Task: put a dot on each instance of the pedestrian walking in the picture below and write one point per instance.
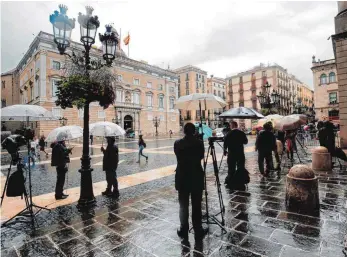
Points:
(189, 181)
(42, 145)
(265, 144)
(170, 133)
(290, 144)
(142, 145)
(60, 159)
(233, 147)
(91, 139)
(110, 164)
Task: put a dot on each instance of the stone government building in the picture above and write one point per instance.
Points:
(143, 91)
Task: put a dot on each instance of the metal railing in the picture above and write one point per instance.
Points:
(311, 139)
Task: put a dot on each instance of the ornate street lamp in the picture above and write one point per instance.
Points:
(63, 121)
(156, 123)
(62, 28)
(267, 100)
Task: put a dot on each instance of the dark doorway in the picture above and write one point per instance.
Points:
(128, 122)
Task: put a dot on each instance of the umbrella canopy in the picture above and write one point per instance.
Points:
(106, 129)
(273, 118)
(200, 101)
(205, 129)
(242, 113)
(65, 133)
(23, 112)
(291, 122)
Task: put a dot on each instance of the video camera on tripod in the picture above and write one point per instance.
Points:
(12, 144)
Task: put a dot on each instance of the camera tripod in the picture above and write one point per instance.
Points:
(29, 209)
(212, 219)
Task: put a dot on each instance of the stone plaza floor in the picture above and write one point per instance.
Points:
(256, 222)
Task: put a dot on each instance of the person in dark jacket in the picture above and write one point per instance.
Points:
(42, 144)
(109, 165)
(142, 145)
(189, 180)
(60, 159)
(233, 146)
(265, 144)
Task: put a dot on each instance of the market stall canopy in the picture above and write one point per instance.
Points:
(199, 101)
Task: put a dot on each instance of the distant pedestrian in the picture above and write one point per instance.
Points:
(110, 164)
(290, 144)
(142, 145)
(42, 144)
(170, 133)
(265, 144)
(91, 139)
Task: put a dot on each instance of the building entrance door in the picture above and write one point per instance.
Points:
(128, 122)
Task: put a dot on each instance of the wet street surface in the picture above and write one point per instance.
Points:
(144, 221)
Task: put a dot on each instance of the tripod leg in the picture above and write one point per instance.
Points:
(7, 177)
(205, 164)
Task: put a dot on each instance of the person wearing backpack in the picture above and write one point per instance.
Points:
(142, 145)
(60, 159)
(110, 164)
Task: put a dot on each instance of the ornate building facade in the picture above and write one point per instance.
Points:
(143, 91)
(326, 93)
(216, 86)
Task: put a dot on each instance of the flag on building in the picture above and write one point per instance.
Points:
(126, 40)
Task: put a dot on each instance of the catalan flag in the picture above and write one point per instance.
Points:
(126, 40)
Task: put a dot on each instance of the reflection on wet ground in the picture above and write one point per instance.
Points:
(145, 224)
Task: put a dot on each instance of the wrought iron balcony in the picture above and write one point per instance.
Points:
(127, 105)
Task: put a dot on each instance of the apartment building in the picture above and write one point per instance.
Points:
(191, 80)
(216, 86)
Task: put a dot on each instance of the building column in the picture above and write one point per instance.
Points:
(43, 85)
(340, 51)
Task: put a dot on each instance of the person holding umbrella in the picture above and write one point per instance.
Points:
(109, 165)
(60, 159)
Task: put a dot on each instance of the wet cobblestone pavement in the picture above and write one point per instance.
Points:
(145, 220)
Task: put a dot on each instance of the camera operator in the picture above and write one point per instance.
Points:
(189, 180)
(233, 146)
(60, 159)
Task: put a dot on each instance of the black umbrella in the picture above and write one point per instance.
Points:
(242, 113)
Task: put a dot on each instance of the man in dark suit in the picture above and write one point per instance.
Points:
(109, 165)
(233, 146)
(189, 180)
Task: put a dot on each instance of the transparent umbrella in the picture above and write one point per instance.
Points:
(65, 133)
(26, 112)
(106, 129)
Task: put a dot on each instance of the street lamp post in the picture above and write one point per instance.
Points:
(63, 121)
(156, 123)
(268, 100)
(62, 28)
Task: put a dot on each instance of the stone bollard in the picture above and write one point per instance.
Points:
(321, 159)
(302, 194)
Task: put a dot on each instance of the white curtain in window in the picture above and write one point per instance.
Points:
(54, 87)
(161, 101)
(172, 103)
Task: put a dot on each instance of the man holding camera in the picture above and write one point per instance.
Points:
(60, 159)
(189, 180)
(233, 146)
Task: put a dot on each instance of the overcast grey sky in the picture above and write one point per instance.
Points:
(220, 36)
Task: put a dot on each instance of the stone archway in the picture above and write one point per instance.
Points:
(128, 122)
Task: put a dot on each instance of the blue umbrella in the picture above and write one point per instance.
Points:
(205, 129)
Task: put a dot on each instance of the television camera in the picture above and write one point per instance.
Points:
(12, 144)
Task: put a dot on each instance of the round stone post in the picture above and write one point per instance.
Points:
(321, 159)
(302, 190)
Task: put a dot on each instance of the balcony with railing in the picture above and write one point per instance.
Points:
(127, 105)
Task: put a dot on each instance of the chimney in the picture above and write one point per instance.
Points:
(313, 59)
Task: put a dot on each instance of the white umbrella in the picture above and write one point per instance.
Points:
(106, 129)
(242, 113)
(25, 112)
(200, 102)
(291, 122)
(65, 133)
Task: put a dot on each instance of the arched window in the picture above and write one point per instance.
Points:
(161, 101)
(323, 79)
(172, 103)
(332, 77)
